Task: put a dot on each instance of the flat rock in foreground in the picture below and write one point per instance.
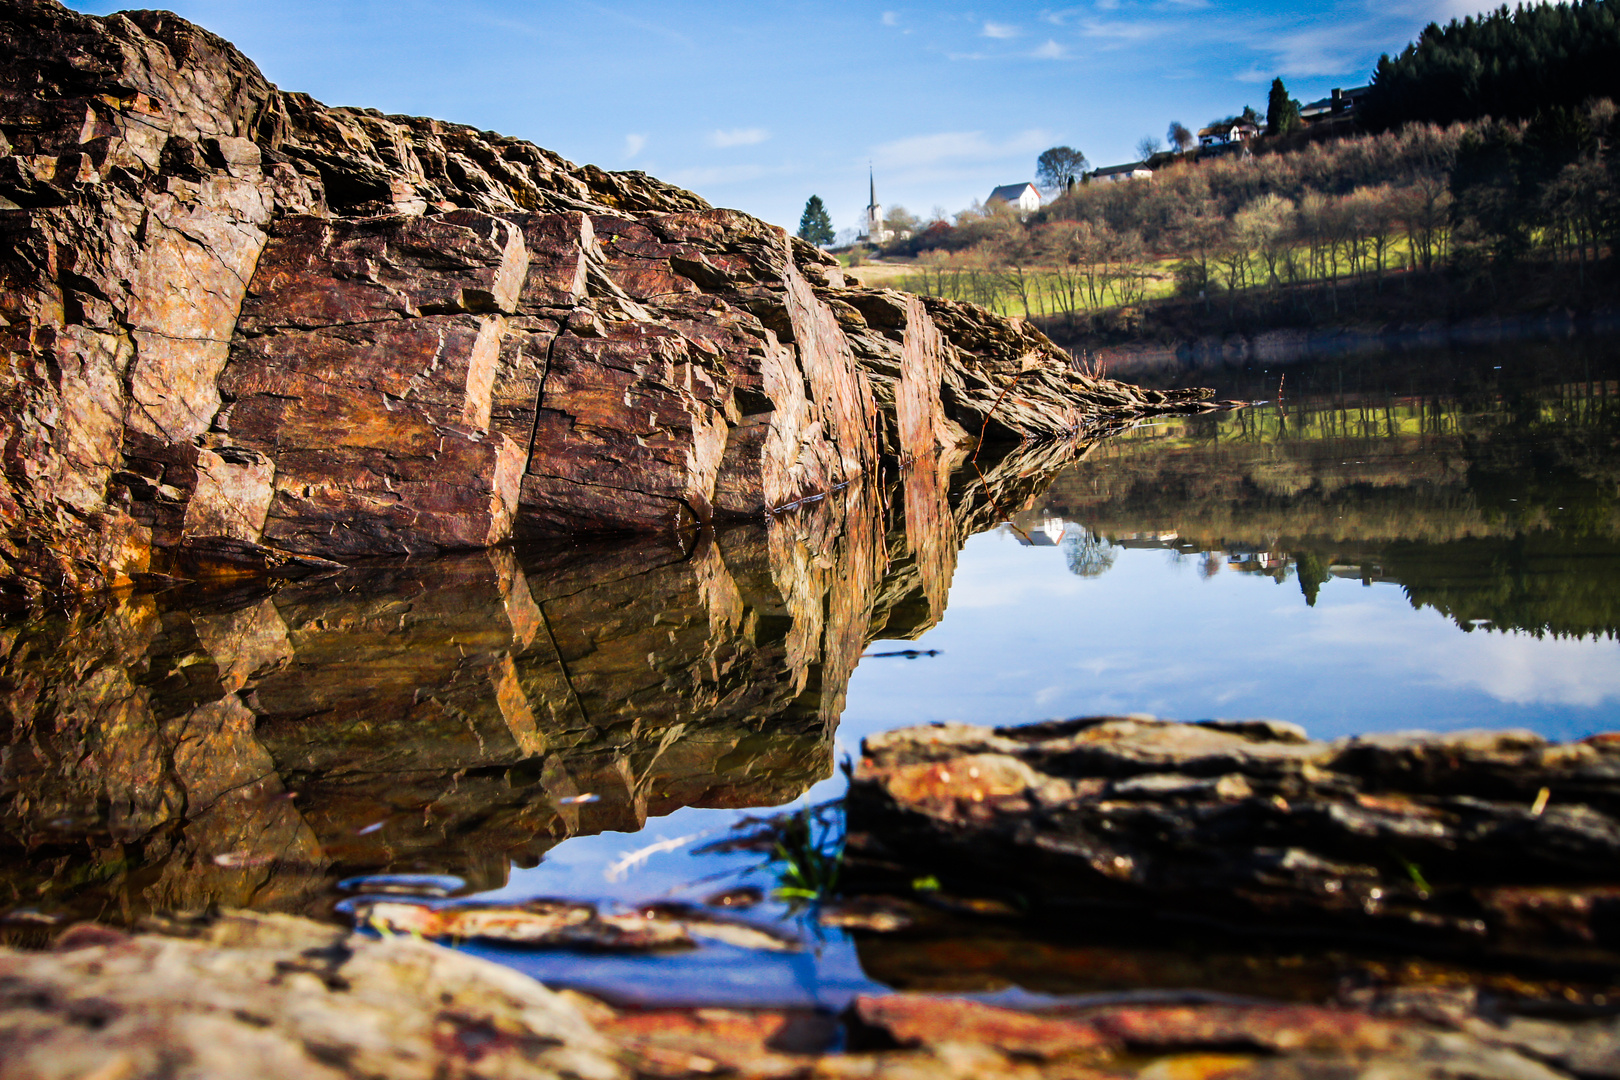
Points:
(1480, 841)
(267, 996)
(258, 997)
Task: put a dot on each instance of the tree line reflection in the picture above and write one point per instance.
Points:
(1487, 487)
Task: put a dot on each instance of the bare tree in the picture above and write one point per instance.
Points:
(1056, 169)
(1180, 138)
(1147, 146)
(1425, 210)
(1266, 227)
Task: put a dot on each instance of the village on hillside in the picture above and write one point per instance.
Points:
(1325, 118)
(1417, 195)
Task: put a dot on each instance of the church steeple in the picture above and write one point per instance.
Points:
(875, 232)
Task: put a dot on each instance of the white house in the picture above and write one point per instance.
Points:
(1227, 133)
(1024, 197)
(1136, 170)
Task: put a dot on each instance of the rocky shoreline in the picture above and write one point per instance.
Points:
(247, 332)
(1441, 913)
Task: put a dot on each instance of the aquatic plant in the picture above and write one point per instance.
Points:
(808, 855)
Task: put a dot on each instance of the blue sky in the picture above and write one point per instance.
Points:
(756, 106)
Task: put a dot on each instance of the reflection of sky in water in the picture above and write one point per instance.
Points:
(825, 974)
(1024, 639)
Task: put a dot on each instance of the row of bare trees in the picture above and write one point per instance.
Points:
(1358, 208)
(1049, 269)
(1063, 265)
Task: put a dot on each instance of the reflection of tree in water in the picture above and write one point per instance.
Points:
(1485, 483)
(1312, 570)
(1088, 554)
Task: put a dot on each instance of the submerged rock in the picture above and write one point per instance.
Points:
(1473, 841)
(540, 924)
(242, 327)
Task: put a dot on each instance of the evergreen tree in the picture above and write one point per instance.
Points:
(1282, 111)
(1508, 64)
(1313, 573)
(815, 225)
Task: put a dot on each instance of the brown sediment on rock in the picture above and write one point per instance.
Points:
(241, 323)
(275, 996)
(1487, 842)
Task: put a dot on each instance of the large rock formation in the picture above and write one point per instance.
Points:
(243, 328)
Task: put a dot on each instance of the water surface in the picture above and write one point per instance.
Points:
(1381, 542)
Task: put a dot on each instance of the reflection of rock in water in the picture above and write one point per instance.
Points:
(451, 716)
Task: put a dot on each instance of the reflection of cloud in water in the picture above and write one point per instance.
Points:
(1512, 667)
(1018, 576)
(1027, 640)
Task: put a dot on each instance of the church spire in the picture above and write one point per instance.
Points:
(872, 180)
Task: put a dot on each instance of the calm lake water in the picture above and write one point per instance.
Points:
(1418, 541)
(1393, 541)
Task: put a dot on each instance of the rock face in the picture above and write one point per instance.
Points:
(241, 326)
(1475, 841)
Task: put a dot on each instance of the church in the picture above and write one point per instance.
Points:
(874, 231)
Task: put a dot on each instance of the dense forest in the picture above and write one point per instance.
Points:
(1458, 196)
(1510, 65)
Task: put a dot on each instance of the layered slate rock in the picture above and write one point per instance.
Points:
(244, 328)
(364, 370)
(1494, 841)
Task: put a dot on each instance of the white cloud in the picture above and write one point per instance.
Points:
(738, 137)
(1308, 53)
(1000, 31)
(1050, 51)
(633, 144)
(1443, 11)
(1121, 31)
(721, 175)
(891, 18)
(955, 146)
(642, 25)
